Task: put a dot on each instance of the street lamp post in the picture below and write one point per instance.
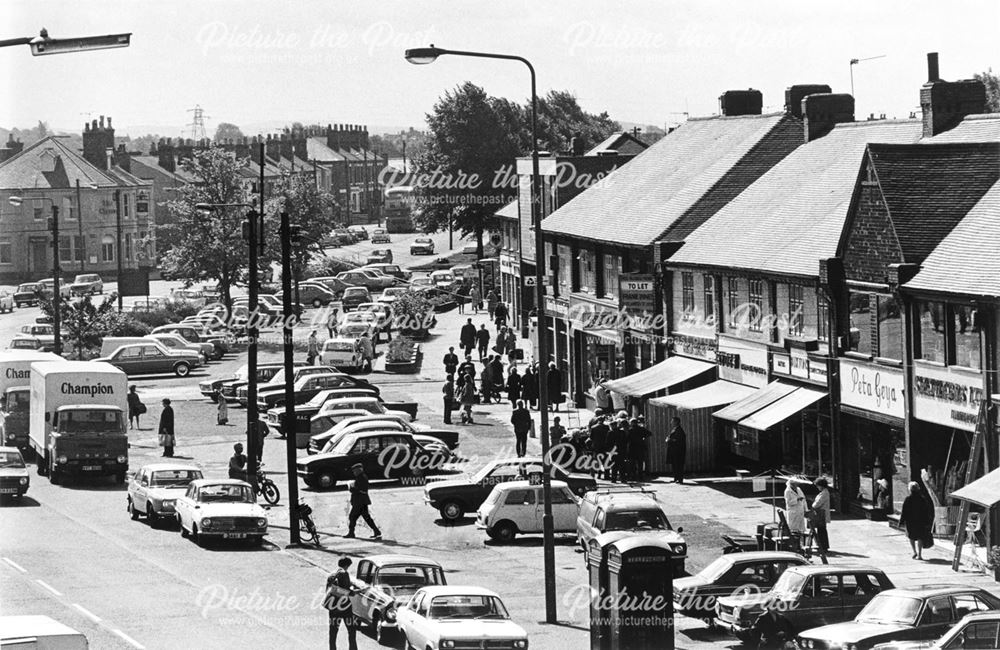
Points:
(42, 44)
(425, 55)
(56, 270)
(288, 350)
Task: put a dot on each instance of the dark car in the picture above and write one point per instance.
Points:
(277, 381)
(151, 359)
(802, 598)
(305, 411)
(196, 335)
(320, 429)
(313, 293)
(308, 387)
(454, 497)
(383, 454)
(379, 256)
(696, 595)
(979, 630)
(27, 293)
(228, 385)
(355, 296)
(902, 615)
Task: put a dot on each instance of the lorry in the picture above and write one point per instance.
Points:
(77, 419)
(15, 393)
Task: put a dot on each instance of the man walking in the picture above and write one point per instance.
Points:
(500, 316)
(491, 302)
(468, 368)
(554, 386)
(677, 449)
(637, 436)
(556, 432)
(476, 298)
(166, 429)
(260, 432)
(467, 337)
(360, 502)
(449, 397)
(331, 322)
(450, 362)
(521, 419)
(338, 603)
(367, 353)
(312, 348)
(482, 341)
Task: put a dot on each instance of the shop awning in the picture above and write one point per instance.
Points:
(718, 393)
(755, 401)
(784, 408)
(985, 491)
(665, 374)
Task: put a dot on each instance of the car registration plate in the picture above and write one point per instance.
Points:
(91, 468)
(8, 490)
(234, 535)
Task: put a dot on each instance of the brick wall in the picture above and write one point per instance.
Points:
(871, 244)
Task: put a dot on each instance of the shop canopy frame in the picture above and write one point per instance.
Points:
(669, 372)
(718, 393)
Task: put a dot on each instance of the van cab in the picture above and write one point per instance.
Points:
(518, 506)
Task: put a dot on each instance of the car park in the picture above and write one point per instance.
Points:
(453, 497)
(27, 293)
(422, 246)
(14, 476)
(917, 614)
(154, 489)
(517, 508)
(151, 358)
(384, 583)
(979, 631)
(458, 617)
(220, 509)
(6, 301)
(379, 256)
(354, 296)
(384, 455)
(803, 597)
(695, 596)
(329, 423)
(395, 270)
(380, 236)
(86, 284)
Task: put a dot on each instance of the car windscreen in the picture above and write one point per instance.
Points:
(11, 459)
(716, 569)
(789, 583)
(651, 518)
(471, 607)
(174, 477)
(339, 346)
(27, 288)
(18, 401)
(890, 608)
(225, 493)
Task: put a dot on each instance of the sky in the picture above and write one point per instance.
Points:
(257, 63)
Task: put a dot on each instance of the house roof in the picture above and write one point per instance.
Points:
(318, 151)
(929, 188)
(51, 163)
(972, 128)
(640, 202)
(963, 263)
(793, 215)
(509, 211)
(153, 162)
(623, 142)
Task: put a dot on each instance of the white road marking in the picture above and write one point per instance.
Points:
(15, 565)
(129, 639)
(48, 586)
(93, 617)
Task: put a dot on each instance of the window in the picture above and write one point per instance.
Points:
(976, 635)
(967, 604)
(859, 308)
(890, 328)
(932, 325)
(709, 281)
(796, 311)
(565, 268)
(519, 497)
(612, 268)
(733, 300)
(37, 206)
(108, 248)
(938, 611)
(561, 496)
(757, 305)
(823, 318)
(126, 205)
(142, 202)
(687, 291)
(827, 586)
(65, 248)
(128, 246)
(68, 209)
(6, 252)
(587, 279)
(967, 343)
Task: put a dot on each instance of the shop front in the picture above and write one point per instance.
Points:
(597, 340)
(559, 342)
(510, 286)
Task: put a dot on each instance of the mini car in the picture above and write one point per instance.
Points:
(27, 293)
(980, 630)
(516, 507)
(155, 488)
(380, 236)
(14, 476)
(220, 509)
(458, 617)
(385, 583)
(86, 284)
(422, 246)
(6, 301)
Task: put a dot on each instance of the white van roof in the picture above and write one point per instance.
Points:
(86, 367)
(21, 354)
(26, 627)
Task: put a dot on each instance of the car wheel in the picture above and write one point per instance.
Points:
(198, 539)
(132, 511)
(317, 303)
(326, 480)
(452, 511)
(180, 527)
(505, 531)
(182, 369)
(151, 517)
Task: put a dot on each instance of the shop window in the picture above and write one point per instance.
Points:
(796, 309)
(6, 252)
(823, 318)
(932, 331)
(757, 305)
(709, 281)
(967, 342)
(687, 292)
(733, 301)
(890, 328)
(859, 308)
(612, 269)
(108, 248)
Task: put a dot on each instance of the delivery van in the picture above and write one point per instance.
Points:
(15, 393)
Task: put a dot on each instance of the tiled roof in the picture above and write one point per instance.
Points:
(929, 188)
(966, 261)
(508, 211)
(793, 215)
(639, 202)
(35, 168)
(318, 151)
(153, 162)
(623, 142)
(973, 128)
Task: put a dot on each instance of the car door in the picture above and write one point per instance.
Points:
(184, 506)
(128, 359)
(416, 633)
(362, 601)
(519, 506)
(365, 451)
(154, 360)
(820, 603)
(564, 510)
(980, 635)
(141, 495)
(937, 617)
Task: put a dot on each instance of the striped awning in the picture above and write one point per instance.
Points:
(665, 374)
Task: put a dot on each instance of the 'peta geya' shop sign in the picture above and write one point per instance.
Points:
(872, 388)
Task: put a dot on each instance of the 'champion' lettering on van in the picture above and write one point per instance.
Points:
(14, 373)
(92, 390)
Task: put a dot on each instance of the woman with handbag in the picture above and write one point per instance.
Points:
(135, 407)
(819, 516)
(917, 516)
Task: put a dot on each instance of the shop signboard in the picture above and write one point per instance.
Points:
(947, 396)
(637, 292)
(695, 346)
(873, 388)
(798, 364)
(742, 362)
(510, 264)
(556, 307)
(781, 364)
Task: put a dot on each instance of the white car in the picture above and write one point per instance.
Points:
(6, 301)
(221, 509)
(517, 507)
(443, 617)
(443, 279)
(155, 488)
(390, 295)
(341, 352)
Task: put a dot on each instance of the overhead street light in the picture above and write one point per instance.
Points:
(42, 44)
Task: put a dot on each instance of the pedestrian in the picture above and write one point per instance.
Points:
(510, 345)
(332, 319)
(467, 337)
(222, 414)
(367, 352)
(468, 398)
(360, 502)
(468, 369)
(496, 372)
(312, 348)
(621, 468)
(476, 298)
(556, 432)
(450, 362)
(135, 407)
(554, 384)
(795, 508)
(600, 437)
(500, 315)
(521, 419)
(918, 517)
(166, 429)
(491, 302)
(677, 449)
(460, 298)
(638, 435)
(339, 589)
(821, 514)
(602, 397)
(513, 386)
(482, 341)
(486, 382)
(529, 387)
(238, 463)
(260, 432)
(449, 396)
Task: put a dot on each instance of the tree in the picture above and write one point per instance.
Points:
(560, 118)
(312, 210)
(83, 325)
(227, 131)
(992, 83)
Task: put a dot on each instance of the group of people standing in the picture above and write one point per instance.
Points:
(616, 444)
(801, 516)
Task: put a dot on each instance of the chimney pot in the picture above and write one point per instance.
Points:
(932, 67)
(102, 122)
(741, 102)
(109, 121)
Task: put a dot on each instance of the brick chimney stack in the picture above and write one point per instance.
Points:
(97, 139)
(945, 103)
(822, 110)
(741, 102)
(795, 94)
(12, 148)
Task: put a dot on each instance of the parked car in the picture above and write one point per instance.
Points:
(275, 382)
(86, 284)
(384, 455)
(458, 617)
(176, 342)
(14, 476)
(22, 342)
(384, 583)
(305, 411)
(354, 296)
(454, 497)
(696, 595)
(342, 353)
(154, 489)
(150, 303)
(313, 293)
(422, 246)
(421, 282)
(630, 509)
(227, 386)
(193, 334)
(49, 286)
(27, 293)
(380, 236)
(151, 359)
(382, 313)
(358, 231)
(6, 301)
(371, 280)
(802, 598)
(444, 280)
(390, 295)
(331, 282)
(330, 422)
(44, 333)
(308, 386)
(220, 509)
(516, 508)
(191, 296)
(388, 268)
(920, 614)
(378, 256)
(979, 630)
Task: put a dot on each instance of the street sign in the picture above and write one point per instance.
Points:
(529, 281)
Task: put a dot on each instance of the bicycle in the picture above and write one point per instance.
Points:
(306, 524)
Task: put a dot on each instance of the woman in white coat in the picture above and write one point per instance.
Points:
(795, 507)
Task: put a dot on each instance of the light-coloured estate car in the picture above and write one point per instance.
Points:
(155, 488)
(458, 617)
